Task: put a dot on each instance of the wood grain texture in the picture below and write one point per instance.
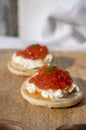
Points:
(14, 107)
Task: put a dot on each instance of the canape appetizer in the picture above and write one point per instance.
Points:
(51, 87)
(27, 62)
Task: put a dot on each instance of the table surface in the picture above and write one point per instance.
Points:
(14, 107)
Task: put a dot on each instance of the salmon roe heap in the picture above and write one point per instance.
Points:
(51, 78)
(33, 52)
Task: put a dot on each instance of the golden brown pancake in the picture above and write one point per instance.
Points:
(36, 99)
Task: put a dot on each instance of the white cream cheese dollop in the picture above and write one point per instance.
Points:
(31, 64)
(52, 94)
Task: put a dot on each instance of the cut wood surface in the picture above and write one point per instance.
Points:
(14, 107)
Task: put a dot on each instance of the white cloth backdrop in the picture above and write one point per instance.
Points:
(62, 26)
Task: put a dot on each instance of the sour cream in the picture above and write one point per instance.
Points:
(52, 94)
(32, 88)
(31, 64)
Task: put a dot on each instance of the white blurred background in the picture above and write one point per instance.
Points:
(59, 24)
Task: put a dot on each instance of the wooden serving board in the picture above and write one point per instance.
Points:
(14, 107)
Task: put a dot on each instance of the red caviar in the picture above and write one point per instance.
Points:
(33, 52)
(51, 78)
